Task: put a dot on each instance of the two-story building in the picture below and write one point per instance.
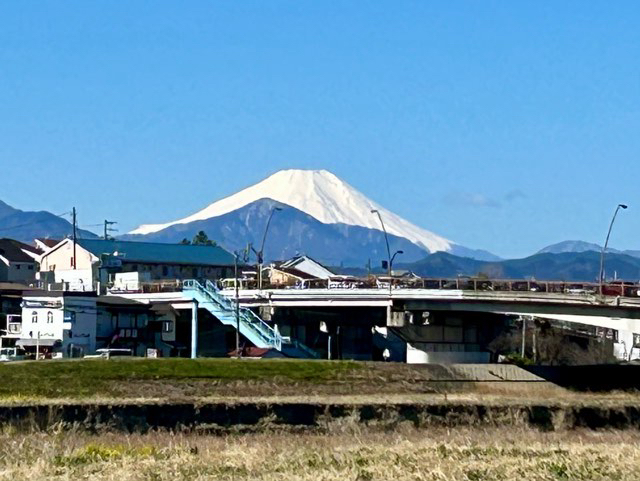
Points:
(74, 324)
(18, 262)
(89, 264)
(57, 322)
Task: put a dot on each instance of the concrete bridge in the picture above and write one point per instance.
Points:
(407, 310)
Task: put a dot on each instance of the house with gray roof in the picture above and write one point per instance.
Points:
(17, 262)
(92, 264)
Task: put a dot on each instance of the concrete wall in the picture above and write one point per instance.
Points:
(420, 354)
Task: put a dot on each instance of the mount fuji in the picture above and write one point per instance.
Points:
(321, 216)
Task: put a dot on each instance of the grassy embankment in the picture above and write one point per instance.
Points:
(265, 380)
(178, 378)
(348, 454)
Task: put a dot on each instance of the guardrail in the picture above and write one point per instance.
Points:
(622, 289)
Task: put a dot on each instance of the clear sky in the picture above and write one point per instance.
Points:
(499, 125)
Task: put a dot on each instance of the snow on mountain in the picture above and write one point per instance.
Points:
(323, 196)
(571, 246)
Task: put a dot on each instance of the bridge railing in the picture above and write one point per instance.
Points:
(619, 288)
(623, 289)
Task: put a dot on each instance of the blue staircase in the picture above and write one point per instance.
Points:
(257, 331)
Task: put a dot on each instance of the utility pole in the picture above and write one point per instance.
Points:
(74, 237)
(524, 334)
(237, 306)
(108, 229)
(534, 346)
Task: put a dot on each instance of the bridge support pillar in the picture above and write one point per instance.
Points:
(194, 329)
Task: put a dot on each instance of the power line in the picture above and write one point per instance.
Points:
(31, 223)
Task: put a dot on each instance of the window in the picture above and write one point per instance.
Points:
(141, 320)
(30, 267)
(167, 326)
(195, 272)
(34, 317)
(18, 266)
(128, 333)
(49, 317)
(165, 270)
(69, 316)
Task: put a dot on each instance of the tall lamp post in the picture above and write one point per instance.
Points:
(235, 273)
(606, 242)
(392, 259)
(389, 261)
(260, 253)
(386, 239)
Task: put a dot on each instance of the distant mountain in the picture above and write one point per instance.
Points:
(325, 200)
(571, 246)
(25, 226)
(566, 266)
(291, 232)
(581, 246)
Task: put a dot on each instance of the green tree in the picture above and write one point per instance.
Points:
(202, 239)
(185, 241)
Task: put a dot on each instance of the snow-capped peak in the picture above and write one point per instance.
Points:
(323, 196)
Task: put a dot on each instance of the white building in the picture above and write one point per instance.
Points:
(57, 322)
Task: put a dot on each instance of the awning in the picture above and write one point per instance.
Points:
(34, 342)
(174, 345)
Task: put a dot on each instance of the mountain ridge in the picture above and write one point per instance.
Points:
(327, 199)
(291, 232)
(25, 226)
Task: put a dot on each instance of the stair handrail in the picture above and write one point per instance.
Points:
(263, 327)
(250, 318)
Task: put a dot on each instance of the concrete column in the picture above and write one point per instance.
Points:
(194, 330)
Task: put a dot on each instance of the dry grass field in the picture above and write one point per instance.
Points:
(349, 453)
(341, 449)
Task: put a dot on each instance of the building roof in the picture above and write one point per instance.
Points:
(118, 301)
(48, 242)
(14, 251)
(158, 253)
(308, 265)
(294, 272)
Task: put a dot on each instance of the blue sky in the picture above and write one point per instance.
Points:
(500, 125)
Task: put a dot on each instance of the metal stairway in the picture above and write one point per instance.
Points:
(257, 331)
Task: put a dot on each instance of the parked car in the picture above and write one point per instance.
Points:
(11, 354)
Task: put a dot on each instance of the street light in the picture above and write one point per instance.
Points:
(393, 257)
(391, 267)
(606, 242)
(260, 253)
(376, 211)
